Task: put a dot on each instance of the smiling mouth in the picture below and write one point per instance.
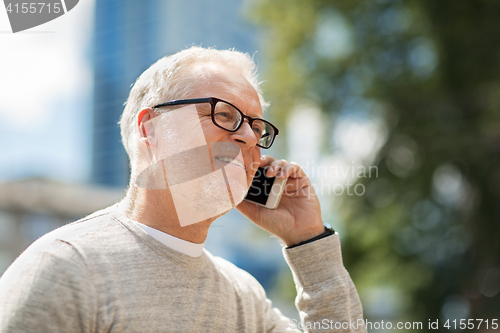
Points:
(231, 160)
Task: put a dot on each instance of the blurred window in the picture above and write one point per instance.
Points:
(7, 226)
(37, 225)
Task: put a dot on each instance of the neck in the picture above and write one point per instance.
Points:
(155, 208)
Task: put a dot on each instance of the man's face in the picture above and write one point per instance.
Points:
(215, 81)
(181, 140)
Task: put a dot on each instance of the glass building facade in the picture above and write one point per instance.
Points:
(129, 37)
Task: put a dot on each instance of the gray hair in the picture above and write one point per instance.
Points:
(164, 81)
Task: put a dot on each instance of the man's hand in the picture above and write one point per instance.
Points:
(298, 216)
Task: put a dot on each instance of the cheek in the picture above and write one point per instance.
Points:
(212, 132)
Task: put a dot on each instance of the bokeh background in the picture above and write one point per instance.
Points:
(392, 107)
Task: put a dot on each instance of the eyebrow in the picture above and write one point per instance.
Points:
(252, 105)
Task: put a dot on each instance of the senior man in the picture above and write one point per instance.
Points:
(193, 128)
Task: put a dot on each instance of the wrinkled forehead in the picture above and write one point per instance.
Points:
(213, 80)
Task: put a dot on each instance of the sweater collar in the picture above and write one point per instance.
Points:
(177, 244)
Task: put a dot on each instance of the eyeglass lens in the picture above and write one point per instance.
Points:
(226, 116)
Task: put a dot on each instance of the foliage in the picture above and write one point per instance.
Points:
(428, 224)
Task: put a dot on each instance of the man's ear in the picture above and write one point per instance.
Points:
(146, 128)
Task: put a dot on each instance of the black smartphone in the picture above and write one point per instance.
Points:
(265, 191)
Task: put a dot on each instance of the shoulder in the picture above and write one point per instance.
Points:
(63, 249)
(50, 280)
(95, 224)
(88, 230)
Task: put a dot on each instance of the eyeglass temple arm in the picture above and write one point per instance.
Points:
(184, 101)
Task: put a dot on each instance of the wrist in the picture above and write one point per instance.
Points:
(328, 231)
(305, 237)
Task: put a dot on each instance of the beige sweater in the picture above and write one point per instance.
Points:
(104, 274)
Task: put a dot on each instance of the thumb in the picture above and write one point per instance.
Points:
(248, 209)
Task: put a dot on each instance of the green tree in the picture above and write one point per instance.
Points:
(428, 224)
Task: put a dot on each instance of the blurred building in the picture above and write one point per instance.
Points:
(129, 37)
(33, 207)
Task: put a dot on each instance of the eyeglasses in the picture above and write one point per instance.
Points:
(228, 117)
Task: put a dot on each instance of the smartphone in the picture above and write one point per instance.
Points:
(265, 191)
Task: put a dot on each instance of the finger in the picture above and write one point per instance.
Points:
(294, 185)
(275, 167)
(306, 191)
(291, 169)
(266, 160)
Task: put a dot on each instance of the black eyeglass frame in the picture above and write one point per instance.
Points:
(213, 101)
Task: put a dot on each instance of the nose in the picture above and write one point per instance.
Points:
(245, 135)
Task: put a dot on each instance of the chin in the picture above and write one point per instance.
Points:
(221, 214)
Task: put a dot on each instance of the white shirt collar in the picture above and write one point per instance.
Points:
(177, 244)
